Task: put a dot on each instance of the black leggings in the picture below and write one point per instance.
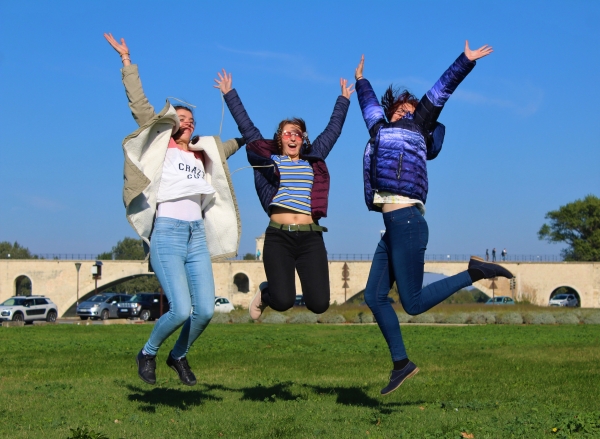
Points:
(283, 253)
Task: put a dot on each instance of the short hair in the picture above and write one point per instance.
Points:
(394, 97)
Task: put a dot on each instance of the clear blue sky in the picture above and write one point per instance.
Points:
(522, 131)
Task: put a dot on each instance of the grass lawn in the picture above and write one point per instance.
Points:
(303, 381)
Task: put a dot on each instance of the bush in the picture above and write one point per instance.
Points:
(366, 317)
(510, 318)
(240, 316)
(274, 317)
(461, 317)
(423, 318)
(330, 317)
(592, 318)
(220, 317)
(566, 318)
(484, 318)
(403, 317)
(303, 317)
(539, 318)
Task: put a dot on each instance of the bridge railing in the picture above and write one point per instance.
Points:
(447, 257)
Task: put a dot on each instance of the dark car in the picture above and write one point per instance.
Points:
(145, 306)
(299, 300)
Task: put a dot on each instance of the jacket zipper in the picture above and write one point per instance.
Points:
(399, 170)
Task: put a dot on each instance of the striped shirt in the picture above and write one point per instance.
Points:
(295, 186)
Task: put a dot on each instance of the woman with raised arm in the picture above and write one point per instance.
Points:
(292, 183)
(179, 198)
(404, 134)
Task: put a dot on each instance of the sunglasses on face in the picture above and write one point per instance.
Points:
(290, 134)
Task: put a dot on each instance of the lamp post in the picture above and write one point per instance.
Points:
(77, 266)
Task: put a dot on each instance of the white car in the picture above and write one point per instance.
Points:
(28, 308)
(564, 300)
(223, 305)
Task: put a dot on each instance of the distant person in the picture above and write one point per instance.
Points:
(404, 134)
(292, 183)
(503, 254)
(487, 254)
(177, 188)
(494, 254)
(257, 254)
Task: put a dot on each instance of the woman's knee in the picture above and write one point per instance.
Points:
(319, 307)
(180, 314)
(203, 314)
(281, 303)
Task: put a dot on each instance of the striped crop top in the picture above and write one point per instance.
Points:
(295, 186)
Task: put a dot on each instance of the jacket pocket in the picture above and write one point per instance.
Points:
(399, 170)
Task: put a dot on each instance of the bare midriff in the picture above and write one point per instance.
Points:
(285, 216)
(388, 207)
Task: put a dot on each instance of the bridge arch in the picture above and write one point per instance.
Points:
(566, 290)
(241, 283)
(23, 286)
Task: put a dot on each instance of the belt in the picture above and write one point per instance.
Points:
(298, 227)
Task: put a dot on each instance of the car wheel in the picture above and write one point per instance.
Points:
(145, 315)
(104, 314)
(18, 317)
(83, 317)
(51, 316)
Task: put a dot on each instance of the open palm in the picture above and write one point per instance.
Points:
(479, 53)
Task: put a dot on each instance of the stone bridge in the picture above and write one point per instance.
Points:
(237, 280)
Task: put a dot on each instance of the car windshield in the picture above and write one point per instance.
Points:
(14, 302)
(139, 298)
(97, 299)
(560, 297)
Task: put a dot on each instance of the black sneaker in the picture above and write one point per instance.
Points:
(182, 368)
(397, 377)
(146, 367)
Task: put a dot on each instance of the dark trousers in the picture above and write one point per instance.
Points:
(400, 257)
(285, 252)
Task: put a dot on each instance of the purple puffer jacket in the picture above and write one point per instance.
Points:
(260, 150)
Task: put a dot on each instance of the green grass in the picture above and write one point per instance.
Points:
(303, 381)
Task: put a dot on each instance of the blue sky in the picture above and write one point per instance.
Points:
(521, 130)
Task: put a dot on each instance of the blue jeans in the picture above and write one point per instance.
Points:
(400, 257)
(181, 261)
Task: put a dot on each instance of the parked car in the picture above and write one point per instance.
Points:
(564, 300)
(223, 305)
(28, 309)
(102, 306)
(146, 306)
(299, 300)
(500, 300)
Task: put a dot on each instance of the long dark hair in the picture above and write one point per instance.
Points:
(394, 97)
(194, 139)
(293, 121)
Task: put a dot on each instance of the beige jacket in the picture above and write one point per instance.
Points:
(145, 151)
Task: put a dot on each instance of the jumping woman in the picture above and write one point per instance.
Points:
(404, 134)
(292, 183)
(179, 199)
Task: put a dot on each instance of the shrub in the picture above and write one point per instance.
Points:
(592, 318)
(539, 318)
(510, 318)
(303, 317)
(403, 317)
(220, 317)
(330, 317)
(274, 317)
(423, 318)
(461, 317)
(366, 317)
(240, 316)
(566, 318)
(484, 318)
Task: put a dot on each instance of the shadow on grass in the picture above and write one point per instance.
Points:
(279, 391)
(177, 398)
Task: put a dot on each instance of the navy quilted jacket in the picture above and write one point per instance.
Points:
(259, 150)
(395, 159)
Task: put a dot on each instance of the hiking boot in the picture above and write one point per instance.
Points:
(397, 377)
(480, 269)
(146, 367)
(182, 368)
(257, 306)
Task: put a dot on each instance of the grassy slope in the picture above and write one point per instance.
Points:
(258, 381)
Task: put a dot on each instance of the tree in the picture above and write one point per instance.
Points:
(578, 225)
(249, 257)
(129, 249)
(16, 251)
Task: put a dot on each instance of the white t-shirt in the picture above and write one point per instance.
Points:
(182, 185)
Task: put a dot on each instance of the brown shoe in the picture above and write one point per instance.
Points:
(257, 306)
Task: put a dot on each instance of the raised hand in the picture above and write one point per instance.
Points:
(473, 55)
(346, 91)
(121, 49)
(358, 73)
(224, 82)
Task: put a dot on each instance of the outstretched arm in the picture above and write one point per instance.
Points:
(322, 145)
(236, 108)
(369, 105)
(141, 109)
